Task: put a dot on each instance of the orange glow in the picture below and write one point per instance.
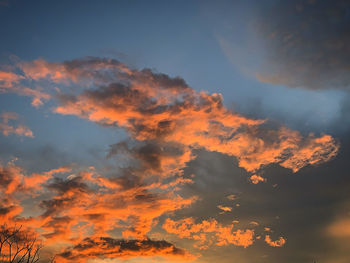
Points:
(277, 243)
(225, 235)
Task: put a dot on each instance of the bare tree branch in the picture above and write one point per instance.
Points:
(18, 246)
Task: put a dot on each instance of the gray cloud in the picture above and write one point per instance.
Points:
(307, 43)
(106, 247)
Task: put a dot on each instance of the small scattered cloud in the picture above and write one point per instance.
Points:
(7, 126)
(10, 82)
(202, 232)
(255, 179)
(277, 243)
(225, 208)
(231, 197)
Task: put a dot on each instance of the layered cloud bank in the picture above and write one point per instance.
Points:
(84, 209)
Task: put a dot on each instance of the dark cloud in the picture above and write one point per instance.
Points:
(299, 207)
(106, 247)
(5, 178)
(307, 43)
(75, 184)
(6, 210)
(149, 154)
(56, 205)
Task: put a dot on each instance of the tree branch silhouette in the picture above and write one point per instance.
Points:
(18, 246)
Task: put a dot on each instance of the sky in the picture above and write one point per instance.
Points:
(177, 131)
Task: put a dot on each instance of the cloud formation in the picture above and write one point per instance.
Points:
(167, 121)
(6, 127)
(306, 43)
(106, 247)
(277, 243)
(255, 179)
(154, 106)
(75, 207)
(11, 82)
(209, 232)
(224, 208)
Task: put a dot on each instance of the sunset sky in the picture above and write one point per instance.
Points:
(177, 131)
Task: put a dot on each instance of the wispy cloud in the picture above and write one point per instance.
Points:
(7, 126)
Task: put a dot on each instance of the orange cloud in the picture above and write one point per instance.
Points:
(231, 197)
(105, 247)
(11, 83)
(255, 179)
(81, 204)
(224, 235)
(7, 79)
(154, 106)
(277, 243)
(6, 128)
(225, 208)
(166, 121)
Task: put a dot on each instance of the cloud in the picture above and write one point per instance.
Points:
(255, 179)
(277, 243)
(231, 197)
(8, 79)
(167, 122)
(202, 232)
(154, 106)
(87, 201)
(17, 187)
(7, 128)
(225, 208)
(74, 205)
(106, 247)
(154, 157)
(306, 43)
(10, 82)
(81, 204)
